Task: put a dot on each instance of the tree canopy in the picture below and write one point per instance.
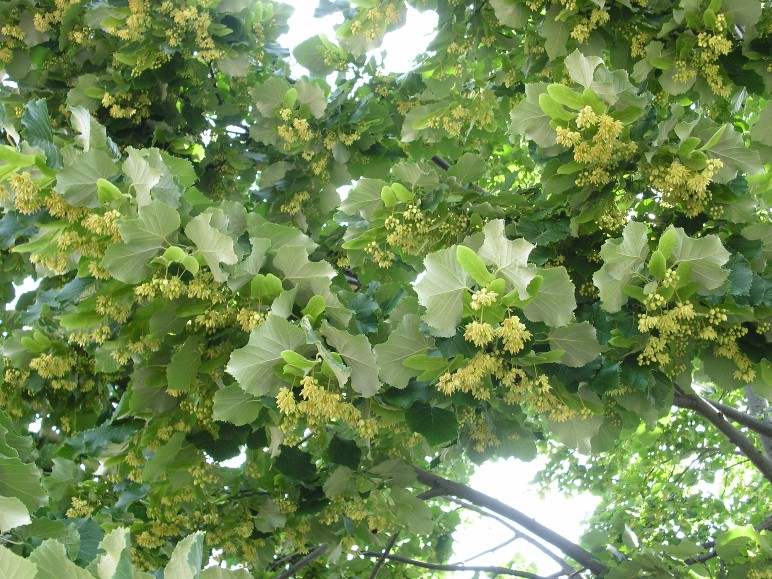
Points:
(551, 236)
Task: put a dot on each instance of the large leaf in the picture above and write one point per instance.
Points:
(731, 150)
(555, 31)
(437, 425)
(578, 341)
(364, 198)
(184, 365)
(52, 562)
(114, 560)
(509, 257)
(13, 513)
(407, 340)
(469, 168)
(215, 246)
(187, 557)
(12, 566)
(252, 365)
(623, 258)
(581, 68)
(440, 291)
(576, 432)
(22, 481)
(77, 182)
(293, 262)
(358, 356)
(141, 174)
(529, 120)
(706, 256)
(555, 303)
(92, 134)
(513, 13)
(232, 404)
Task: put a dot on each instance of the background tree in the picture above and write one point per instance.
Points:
(559, 231)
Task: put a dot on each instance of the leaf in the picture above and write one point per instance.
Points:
(555, 303)
(407, 340)
(295, 463)
(345, 452)
(623, 259)
(358, 356)
(578, 341)
(252, 365)
(220, 573)
(143, 238)
(744, 12)
(469, 168)
(513, 13)
(706, 255)
(77, 182)
(187, 557)
(337, 482)
(440, 291)
(509, 257)
(731, 150)
(761, 131)
(364, 198)
(311, 95)
(142, 175)
(311, 54)
(293, 262)
(437, 425)
(114, 559)
(232, 404)
(555, 32)
(14, 567)
(581, 68)
(22, 481)
(576, 433)
(270, 95)
(92, 134)
(52, 562)
(184, 365)
(212, 244)
(474, 266)
(13, 513)
(528, 118)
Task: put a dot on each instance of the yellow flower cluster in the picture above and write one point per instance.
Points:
(483, 297)
(684, 187)
(27, 200)
(537, 393)
(414, 232)
(584, 26)
(713, 46)
(127, 106)
(58, 207)
(195, 20)
(106, 306)
(80, 508)
(98, 335)
(472, 377)
(479, 429)
(297, 131)
(44, 21)
(596, 144)
(319, 407)
(294, 205)
(513, 333)
(53, 366)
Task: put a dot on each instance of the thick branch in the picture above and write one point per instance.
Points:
(442, 567)
(304, 562)
(701, 406)
(458, 490)
(760, 407)
(746, 420)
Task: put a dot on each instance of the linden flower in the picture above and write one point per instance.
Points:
(479, 333)
(483, 297)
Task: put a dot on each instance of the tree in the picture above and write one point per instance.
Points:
(557, 241)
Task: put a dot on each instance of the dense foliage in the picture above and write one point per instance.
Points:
(558, 229)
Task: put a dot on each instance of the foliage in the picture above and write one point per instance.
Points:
(559, 220)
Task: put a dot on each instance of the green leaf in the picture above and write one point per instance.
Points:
(215, 246)
(513, 13)
(509, 257)
(364, 198)
(13, 513)
(184, 365)
(345, 452)
(437, 425)
(658, 265)
(553, 110)
(469, 168)
(440, 291)
(92, 134)
(294, 264)
(187, 557)
(114, 559)
(566, 97)
(270, 95)
(731, 150)
(77, 182)
(474, 266)
(407, 340)
(311, 54)
(623, 259)
(555, 303)
(311, 95)
(295, 463)
(337, 482)
(14, 567)
(528, 118)
(706, 255)
(581, 68)
(358, 356)
(142, 174)
(232, 404)
(579, 343)
(555, 32)
(252, 365)
(22, 481)
(576, 433)
(52, 562)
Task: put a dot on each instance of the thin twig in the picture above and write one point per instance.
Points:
(304, 562)
(762, 526)
(459, 490)
(512, 539)
(703, 407)
(520, 535)
(444, 165)
(382, 559)
(443, 567)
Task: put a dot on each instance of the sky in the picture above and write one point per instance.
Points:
(507, 481)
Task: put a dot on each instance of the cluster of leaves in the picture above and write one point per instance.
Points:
(599, 236)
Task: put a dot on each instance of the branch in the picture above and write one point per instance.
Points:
(746, 420)
(701, 406)
(447, 487)
(304, 562)
(444, 165)
(384, 554)
(520, 535)
(442, 567)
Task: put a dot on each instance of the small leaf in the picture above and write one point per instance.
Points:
(474, 266)
(658, 265)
